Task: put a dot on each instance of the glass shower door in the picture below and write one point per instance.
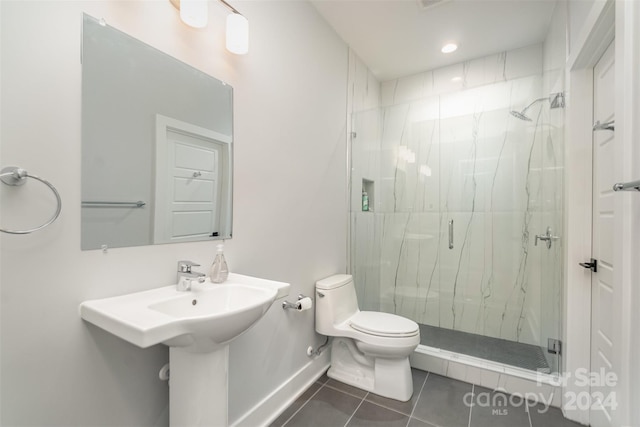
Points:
(458, 188)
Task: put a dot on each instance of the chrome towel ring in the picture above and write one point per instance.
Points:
(14, 176)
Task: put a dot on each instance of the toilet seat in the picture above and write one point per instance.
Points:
(383, 324)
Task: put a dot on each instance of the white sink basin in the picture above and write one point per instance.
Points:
(205, 318)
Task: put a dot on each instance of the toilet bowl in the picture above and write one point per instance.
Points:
(370, 349)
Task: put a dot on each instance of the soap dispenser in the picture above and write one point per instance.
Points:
(365, 201)
(219, 270)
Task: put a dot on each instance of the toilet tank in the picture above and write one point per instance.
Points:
(338, 303)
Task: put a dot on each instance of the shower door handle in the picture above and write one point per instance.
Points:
(450, 234)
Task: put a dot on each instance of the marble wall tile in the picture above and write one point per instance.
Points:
(365, 156)
(448, 79)
(524, 62)
(486, 70)
(449, 149)
(409, 257)
(364, 88)
(365, 248)
(409, 157)
(407, 89)
(500, 67)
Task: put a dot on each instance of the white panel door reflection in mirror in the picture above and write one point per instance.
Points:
(188, 181)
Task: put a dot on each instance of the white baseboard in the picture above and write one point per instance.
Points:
(269, 408)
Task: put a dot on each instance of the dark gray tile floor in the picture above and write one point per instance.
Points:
(437, 402)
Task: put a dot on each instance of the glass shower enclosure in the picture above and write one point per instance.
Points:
(458, 185)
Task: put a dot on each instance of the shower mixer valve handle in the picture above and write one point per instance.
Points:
(548, 237)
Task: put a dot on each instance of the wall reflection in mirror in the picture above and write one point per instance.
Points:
(156, 145)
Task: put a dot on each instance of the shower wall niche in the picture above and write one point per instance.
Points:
(444, 147)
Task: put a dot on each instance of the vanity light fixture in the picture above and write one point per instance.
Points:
(449, 47)
(237, 34)
(195, 14)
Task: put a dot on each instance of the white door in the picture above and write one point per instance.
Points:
(605, 309)
(188, 182)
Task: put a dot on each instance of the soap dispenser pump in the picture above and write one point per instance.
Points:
(219, 270)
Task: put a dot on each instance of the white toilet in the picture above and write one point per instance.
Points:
(370, 349)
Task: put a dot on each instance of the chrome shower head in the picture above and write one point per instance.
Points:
(520, 115)
(556, 100)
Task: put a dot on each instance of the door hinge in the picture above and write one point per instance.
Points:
(554, 346)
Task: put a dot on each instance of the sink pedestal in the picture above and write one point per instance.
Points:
(198, 387)
(197, 326)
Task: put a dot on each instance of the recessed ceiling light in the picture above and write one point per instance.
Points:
(456, 79)
(449, 47)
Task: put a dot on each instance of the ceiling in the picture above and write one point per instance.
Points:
(397, 38)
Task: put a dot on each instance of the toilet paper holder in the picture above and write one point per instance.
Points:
(303, 303)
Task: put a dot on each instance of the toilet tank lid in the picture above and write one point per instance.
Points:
(334, 281)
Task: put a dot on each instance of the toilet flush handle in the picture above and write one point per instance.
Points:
(320, 294)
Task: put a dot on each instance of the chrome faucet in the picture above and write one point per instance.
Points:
(185, 275)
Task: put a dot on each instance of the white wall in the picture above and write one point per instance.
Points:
(578, 12)
(289, 206)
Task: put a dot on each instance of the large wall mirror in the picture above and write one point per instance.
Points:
(156, 145)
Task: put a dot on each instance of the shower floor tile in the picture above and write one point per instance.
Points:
(510, 353)
(437, 402)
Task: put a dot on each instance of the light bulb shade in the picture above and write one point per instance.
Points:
(237, 34)
(194, 13)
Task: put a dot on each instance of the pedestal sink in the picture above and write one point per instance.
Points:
(197, 326)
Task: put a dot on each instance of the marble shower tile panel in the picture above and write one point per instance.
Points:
(365, 154)
(426, 171)
(465, 273)
(393, 228)
(505, 231)
(420, 286)
(483, 175)
(364, 88)
(416, 178)
(408, 158)
(533, 301)
(457, 268)
(505, 261)
(477, 100)
(407, 89)
(448, 79)
(365, 255)
(387, 92)
(394, 120)
(462, 185)
(409, 274)
(486, 70)
(469, 162)
(524, 62)
(552, 163)
(524, 91)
